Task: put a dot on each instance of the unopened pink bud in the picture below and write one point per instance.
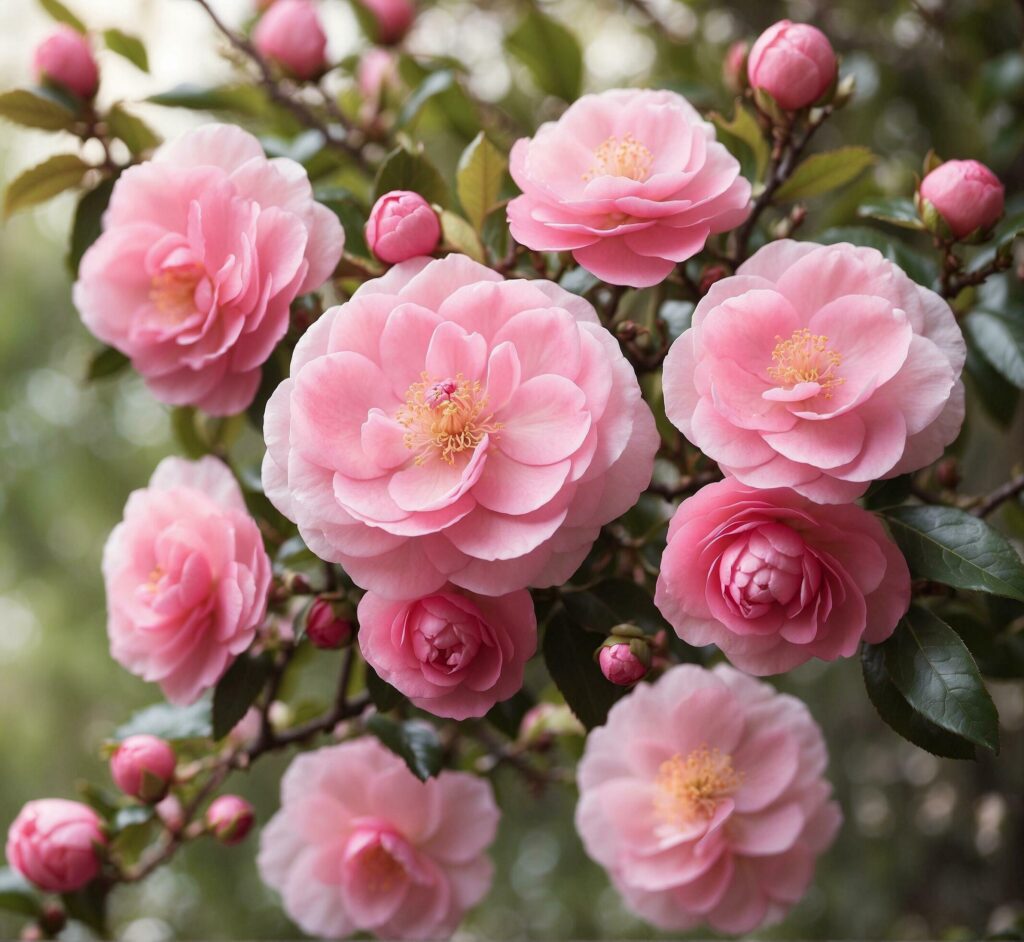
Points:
(966, 194)
(230, 818)
(401, 226)
(65, 59)
(143, 766)
(325, 628)
(290, 34)
(393, 19)
(794, 63)
(621, 665)
(171, 813)
(734, 66)
(377, 71)
(56, 844)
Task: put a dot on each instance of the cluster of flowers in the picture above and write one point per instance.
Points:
(453, 438)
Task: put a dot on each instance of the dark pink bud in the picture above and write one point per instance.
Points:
(794, 63)
(966, 194)
(143, 767)
(230, 818)
(325, 628)
(290, 34)
(65, 58)
(621, 665)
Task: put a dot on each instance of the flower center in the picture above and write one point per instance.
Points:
(806, 358)
(381, 871)
(445, 418)
(173, 290)
(692, 787)
(621, 157)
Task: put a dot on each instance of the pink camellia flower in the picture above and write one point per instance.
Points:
(230, 819)
(819, 368)
(447, 425)
(204, 249)
(290, 34)
(630, 181)
(56, 844)
(66, 59)
(393, 19)
(704, 798)
(362, 845)
(774, 579)
(143, 766)
(966, 194)
(401, 226)
(792, 62)
(186, 576)
(452, 654)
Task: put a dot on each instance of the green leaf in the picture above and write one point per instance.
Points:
(478, 179)
(461, 236)
(822, 173)
(744, 127)
(507, 715)
(352, 214)
(405, 170)
(238, 99)
(128, 46)
(551, 53)
(237, 690)
(88, 224)
(89, 906)
(898, 212)
(36, 108)
(893, 708)
(385, 698)
(434, 84)
(414, 741)
(890, 493)
(569, 656)
(1000, 338)
(614, 602)
(44, 181)
(62, 14)
(169, 722)
(579, 281)
(183, 425)
(946, 545)
(998, 397)
(17, 894)
(932, 668)
(105, 363)
(138, 136)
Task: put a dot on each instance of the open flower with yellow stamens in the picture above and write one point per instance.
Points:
(705, 799)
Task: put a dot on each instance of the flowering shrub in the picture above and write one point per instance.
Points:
(617, 398)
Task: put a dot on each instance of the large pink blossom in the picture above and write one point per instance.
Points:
(361, 845)
(819, 368)
(204, 249)
(448, 425)
(56, 844)
(774, 579)
(630, 181)
(704, 798)
(452, 653)
(186, 576)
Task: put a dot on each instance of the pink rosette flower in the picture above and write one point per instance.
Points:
(55, 844)
(820, 368)
(446, 425)
(966, 194)
(451, 653)
(704, 798)
(65, 58)
(290, 33)
(186, 577)
(362, 845)
(774, 579)
(631, 181)
(794, 63)
(204, 249)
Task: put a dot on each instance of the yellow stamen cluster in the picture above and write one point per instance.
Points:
(621, 157)
(173, 290)
(806, 358)
(692, 787)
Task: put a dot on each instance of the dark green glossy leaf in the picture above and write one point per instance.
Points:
(890, 493)
(551, 53)
(897, 211)
(89, 906)
(614, 602)
(507, 716)
(106, 363)
(1000, 337)
(17, 894)
(478, 179)
(998, 397)
(414, 741)
(385, 698)
(404, 170)
(88, 224)
(238, 99)
(745, 129)
(237, 690)
(822, 173)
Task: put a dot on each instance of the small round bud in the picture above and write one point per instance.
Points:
(710, 275)
(325, 628)
(734, 66)
(230, 818)
(377, 71)
(143, 766)
(543, 722)
(794, 63)
(52, 918)
(65, 59)
(947, 472)
(171, 813)
(56, 844)
(290, 34)
(625, 656)
(965, 194)
(392, 19)
(401, 226)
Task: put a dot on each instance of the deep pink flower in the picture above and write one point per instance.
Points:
(290, 34)
(446, 425)
(704, 798)
(393, 18)
(55, 844)
(451, 653)
(774, 579)
(203, 250)
(187, 578)
(794, 63)
(361, 845)
(630, 181)
(966, 194)
(230, 819)
(401, 226)
(143, 766)
(819, 368)
(65, 58)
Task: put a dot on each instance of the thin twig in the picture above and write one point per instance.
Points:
(999, 496)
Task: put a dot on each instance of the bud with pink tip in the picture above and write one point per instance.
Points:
(392, 18)
(401, 226)
(65, 59)
(326, 629)
(542, 723)
(290, 34)
(171, 813)
(794, 63)
(965, 193)
(625, 656)
(56, 844)
(143, 766)
(734, 66)
(377, 71)
(230, 818)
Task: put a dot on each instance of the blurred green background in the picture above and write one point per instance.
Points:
(931, 849)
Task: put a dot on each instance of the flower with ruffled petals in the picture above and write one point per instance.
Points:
(56, 844)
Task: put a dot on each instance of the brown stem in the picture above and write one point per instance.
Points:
(999, 496)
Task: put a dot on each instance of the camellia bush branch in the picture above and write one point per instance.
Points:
(593, 407)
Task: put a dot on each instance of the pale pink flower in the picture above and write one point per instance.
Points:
(451, 653)
(631, 181)
(966, 194)
(56, 844)
(774, 579)
(819, 368)
(704, 798)
(401, 226)
(446, 425)
(203, 250)
(290, 34)
(361, 845)
(186, 576)
(794, 63)
(65, 58)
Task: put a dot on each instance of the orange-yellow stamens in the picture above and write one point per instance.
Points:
(173, 290)
(692, 787)
(621, 157)
(445, 418)
(806, 358)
